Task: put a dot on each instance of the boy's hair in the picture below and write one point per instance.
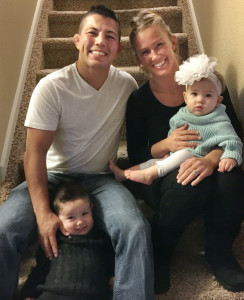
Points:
(103, 11)
(69, 192)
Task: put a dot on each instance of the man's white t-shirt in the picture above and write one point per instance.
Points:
(87, 121)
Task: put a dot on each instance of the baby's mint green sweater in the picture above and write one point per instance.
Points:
(215, 130)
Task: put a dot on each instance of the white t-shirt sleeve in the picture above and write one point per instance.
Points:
(44, 111)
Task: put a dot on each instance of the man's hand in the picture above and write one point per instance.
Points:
(48, 224)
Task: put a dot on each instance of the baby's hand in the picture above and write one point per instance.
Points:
(28, 298)
(227, 164)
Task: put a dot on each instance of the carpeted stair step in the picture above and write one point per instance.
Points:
(124, 4)
(60, 52)
(66, 23)
(139, 76)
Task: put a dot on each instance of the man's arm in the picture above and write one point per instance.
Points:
(37, 144)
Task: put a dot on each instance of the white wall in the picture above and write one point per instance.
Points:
(221, 25)
(15, 24)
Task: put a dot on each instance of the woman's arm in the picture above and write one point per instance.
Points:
(137, 133)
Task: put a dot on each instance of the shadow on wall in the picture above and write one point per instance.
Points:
(231, 77)
(241, 106)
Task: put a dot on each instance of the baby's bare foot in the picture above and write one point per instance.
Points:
(118, 173)
(141, 176)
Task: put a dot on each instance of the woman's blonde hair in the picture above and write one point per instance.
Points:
(145, 19)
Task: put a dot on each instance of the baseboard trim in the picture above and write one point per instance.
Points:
(195, 27)
(18, 95)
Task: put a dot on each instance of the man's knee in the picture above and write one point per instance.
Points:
(136, 227)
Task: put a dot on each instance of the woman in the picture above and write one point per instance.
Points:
(197, 186)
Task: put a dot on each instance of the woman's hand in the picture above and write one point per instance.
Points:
(182, 138)
(179, 139)
(196, 169)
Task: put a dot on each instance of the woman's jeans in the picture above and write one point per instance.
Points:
(116, 212)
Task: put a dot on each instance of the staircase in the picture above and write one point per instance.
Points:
(59, 50)
(53, 49)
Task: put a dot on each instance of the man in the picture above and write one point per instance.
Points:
(73, 129)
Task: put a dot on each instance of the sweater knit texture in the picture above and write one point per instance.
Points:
(81, 271)
(215, 129)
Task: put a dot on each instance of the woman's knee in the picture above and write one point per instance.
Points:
(229, 183)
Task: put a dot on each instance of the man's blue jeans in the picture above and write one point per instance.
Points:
(115, 210)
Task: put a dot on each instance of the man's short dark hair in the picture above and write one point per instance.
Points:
(103, 11)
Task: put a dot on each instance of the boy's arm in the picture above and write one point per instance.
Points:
(37, 145)
(37, 276)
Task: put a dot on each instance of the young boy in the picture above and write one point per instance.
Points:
(203, 112)
(86, 258)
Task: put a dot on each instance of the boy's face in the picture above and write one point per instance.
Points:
(201, 97)
(98, 41)
(76, 216)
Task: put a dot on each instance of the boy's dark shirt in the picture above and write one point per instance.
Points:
(81, 271)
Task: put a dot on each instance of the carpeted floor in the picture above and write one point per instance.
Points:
(53, 48)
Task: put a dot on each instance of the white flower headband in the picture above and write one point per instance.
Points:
(197, 67)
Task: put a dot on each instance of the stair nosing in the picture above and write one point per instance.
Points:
(123, 38)
(80, 12)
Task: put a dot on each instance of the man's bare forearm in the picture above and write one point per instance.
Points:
(36, 177)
